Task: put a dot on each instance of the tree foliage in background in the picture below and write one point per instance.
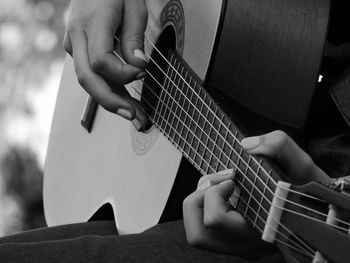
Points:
(23, 182)
(31, 33)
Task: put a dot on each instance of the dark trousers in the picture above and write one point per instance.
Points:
(98, 242)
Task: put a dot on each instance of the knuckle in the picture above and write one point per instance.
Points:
(308, 163)
(98, 62)
(211, 220)
(202, 180)
(136, 39)
(280, 139)
(187, 201)
(108, 106)
(82, 77)
(194, 240)
(280, 135)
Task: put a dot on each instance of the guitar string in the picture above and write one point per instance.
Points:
(209, 108)
(237, 167)
(234, 136)
(213, 169)
(180, 75)
(263, 169)
(244, 187)
(163, 119)
(302, 250)
(336, 219)
(304, 207)
(167, 61)
(278, 222)
(221, 123)
(195, 108)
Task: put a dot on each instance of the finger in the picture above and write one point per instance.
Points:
(219, 216)
(198, 235)
(132, 38)
(293, 161)
(141, 121)
(100, 49)
(215, 178)
(93, 83)
(196, 232)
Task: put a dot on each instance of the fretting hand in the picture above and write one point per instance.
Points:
(91, 26)
(210, 223)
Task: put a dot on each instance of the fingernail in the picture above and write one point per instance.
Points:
(125, 114)
(141, 75)
(226, 182)
(251, 142)
(204, 185)
(140, 54)
(226, 172)
(137, 124)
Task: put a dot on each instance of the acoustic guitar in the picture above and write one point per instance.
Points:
(265, 54)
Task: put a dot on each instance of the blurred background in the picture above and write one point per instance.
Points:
(31, 61)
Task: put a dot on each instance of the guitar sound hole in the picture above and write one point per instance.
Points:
(154, 81)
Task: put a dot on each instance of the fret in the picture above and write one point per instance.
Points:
(210, 127)
(262, 196)
(213, 131)
(235, 196)
(189, 120)
(170, 101)
(205, 113)
(165, 100)
(183, 114)
(223, 148)
(246, 171)
(251, 192)
(195, 121)
(233, 149)
(179, 114)
(217, 144)
(189, 127)
(214, 140)
(229, 154)
(178, 106)
(230, 159)
(249, 198)
(201, 129)
(196, 113)
(161, 104)
(193, 104)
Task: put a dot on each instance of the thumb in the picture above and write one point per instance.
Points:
(293, 161)
(132, 38)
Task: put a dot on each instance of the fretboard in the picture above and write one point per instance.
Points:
(194, 123)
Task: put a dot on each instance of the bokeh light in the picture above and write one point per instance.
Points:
(31, 61)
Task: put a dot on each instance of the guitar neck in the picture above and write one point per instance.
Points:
(194, 123)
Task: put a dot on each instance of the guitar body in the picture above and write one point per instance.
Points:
(226, 48)
(134, 172)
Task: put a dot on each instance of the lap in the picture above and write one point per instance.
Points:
(99, 242)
